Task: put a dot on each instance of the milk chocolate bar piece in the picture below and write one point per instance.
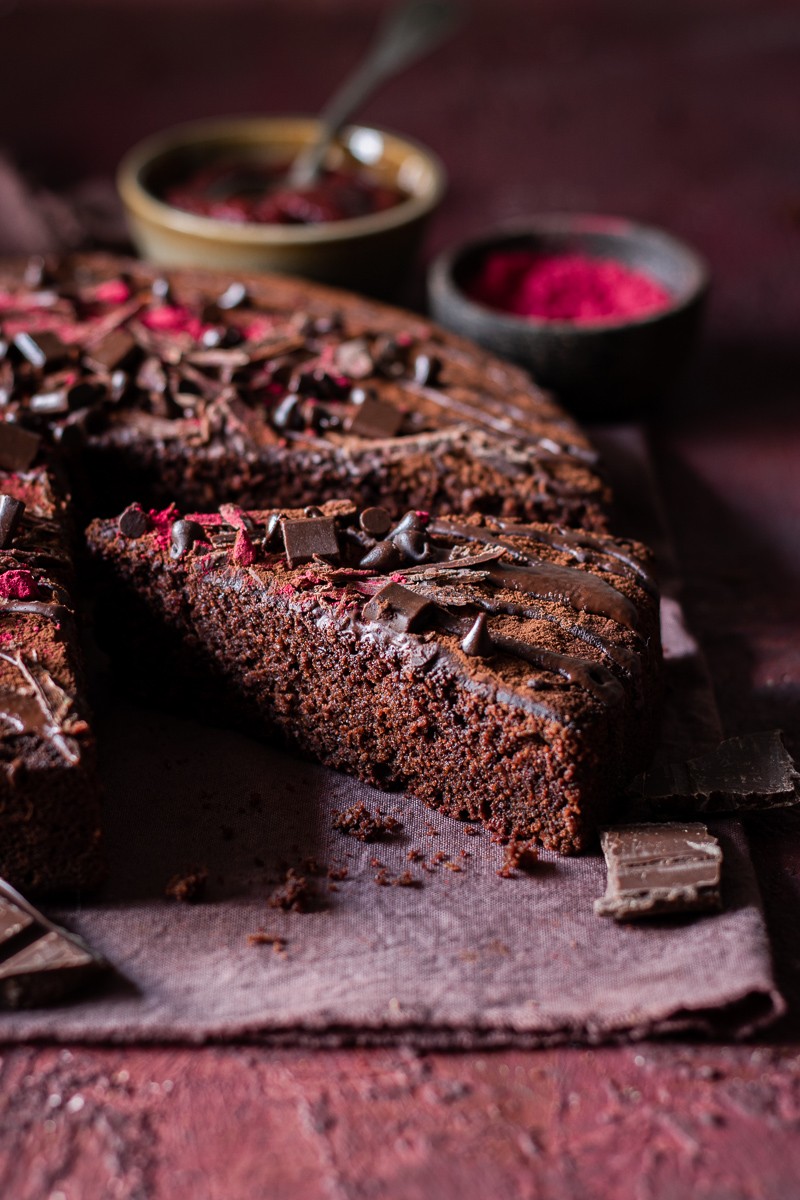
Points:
(40, 963)
(743, 774)
(659, 869)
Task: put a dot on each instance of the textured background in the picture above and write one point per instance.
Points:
(680, 111)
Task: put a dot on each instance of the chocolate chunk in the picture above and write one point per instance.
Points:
(412, 544)
(184, 536)
(354, 359)
(309, 536)
(134, 522)
(234, 296)
(18, 447)
(375, 521)
(41, 349)
(111, 353)
(333, 323)
(478, 642)
(660, 869)
(743, 774)
(11, 511)
(287, 415)
(374, 418)
(49, 403)
(35, 271)
(151, 376)
(398, 607)
(40, 963)
(382, 558)
(426, 369)
(84, 394)
(390, 357)
(311, 510)
(160, 289)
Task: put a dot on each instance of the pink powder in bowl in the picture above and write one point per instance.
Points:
(565, 287)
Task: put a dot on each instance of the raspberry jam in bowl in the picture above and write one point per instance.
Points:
(241, 191)
(213, 194)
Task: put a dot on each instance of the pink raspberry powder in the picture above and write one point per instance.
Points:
(565, 287)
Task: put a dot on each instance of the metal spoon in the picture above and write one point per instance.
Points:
(406, 34)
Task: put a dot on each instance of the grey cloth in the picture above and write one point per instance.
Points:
(465, 960)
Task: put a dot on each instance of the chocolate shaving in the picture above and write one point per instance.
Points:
(11, 511)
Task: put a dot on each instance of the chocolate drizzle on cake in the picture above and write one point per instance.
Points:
(165, 379)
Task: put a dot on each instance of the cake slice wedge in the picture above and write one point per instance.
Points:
(49, 789)
(498, 672)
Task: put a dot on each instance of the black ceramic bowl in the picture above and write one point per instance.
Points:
(602, 370)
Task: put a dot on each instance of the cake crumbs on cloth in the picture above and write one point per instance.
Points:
(295, 894)
(262, 938)
(519, 856)
(188, 887)
(358, 822)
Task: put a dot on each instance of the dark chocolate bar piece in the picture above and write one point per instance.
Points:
(743, 774)
(655, 870)
(40, 963)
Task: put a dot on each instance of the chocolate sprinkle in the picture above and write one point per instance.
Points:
(478, 642)
(134, 522)
(375, 521)
(184, 535)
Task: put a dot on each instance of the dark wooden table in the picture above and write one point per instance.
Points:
(683, 112)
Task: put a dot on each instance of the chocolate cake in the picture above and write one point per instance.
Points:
(208, 390)
(499, 671)
(203, 389)
(49, 794)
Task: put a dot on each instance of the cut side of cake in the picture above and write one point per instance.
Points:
(500, 672)
(49, 791)
(203, 388)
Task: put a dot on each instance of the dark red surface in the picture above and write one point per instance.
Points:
(683, 112)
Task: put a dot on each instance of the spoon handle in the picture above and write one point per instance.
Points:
(407, 33)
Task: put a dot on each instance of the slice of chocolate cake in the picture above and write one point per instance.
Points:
(201, 388)
(499, 672)
(49, 793)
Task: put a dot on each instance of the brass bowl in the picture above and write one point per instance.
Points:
(370, 253)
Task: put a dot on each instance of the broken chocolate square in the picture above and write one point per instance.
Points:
(308, 537)
(374, 418)
(743, 774)
(18, 447)
(111, 353)
(398, 607)
(40, 963)
(656, 870)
